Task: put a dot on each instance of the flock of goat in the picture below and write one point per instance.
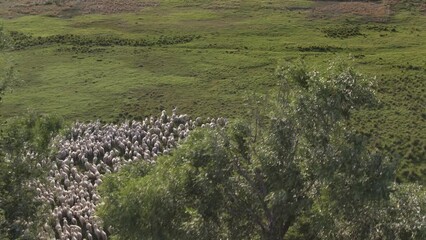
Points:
(92, 150)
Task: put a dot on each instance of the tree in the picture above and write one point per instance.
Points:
(260, 179)
(24, 142)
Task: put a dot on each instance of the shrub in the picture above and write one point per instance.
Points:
(342, 32)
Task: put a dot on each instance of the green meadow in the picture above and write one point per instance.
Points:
(231, 54)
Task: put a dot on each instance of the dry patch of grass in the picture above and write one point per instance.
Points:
(69, 8)
(369, 10)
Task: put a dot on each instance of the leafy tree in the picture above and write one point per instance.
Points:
(295, 168)
(24, 142)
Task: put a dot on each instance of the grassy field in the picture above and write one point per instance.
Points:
(234, 48)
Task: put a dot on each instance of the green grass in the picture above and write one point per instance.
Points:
(240, 45)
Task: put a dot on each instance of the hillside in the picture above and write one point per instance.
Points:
(113, 60)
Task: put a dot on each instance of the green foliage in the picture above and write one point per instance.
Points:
(381, 28)
(24, 142)
(21, 40)
(401, 216)
(32, 132)
(407, 209)
(162, 212)
(295, 162)
(316, 48)
(344, 31)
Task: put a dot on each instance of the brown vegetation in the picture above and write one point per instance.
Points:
(68, 8)
(376, 11)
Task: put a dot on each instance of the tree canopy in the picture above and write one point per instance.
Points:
(24, 142)
(295, 164)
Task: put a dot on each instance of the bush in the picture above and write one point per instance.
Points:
(342, 32)
(24, 142)
(21, 40)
